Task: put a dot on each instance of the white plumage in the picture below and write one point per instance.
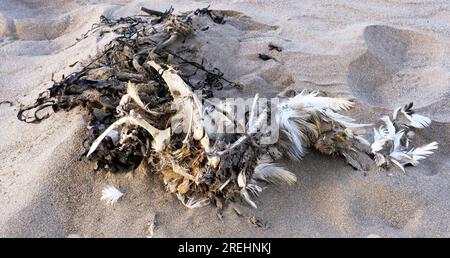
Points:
(288, 120)
(111, 195)
(246, 196)
(392, 142)
(331, 116)
(192, 202)
(313, 103)
(274, 173)
(419, 121)
(422, 152)
(383, 134)
(412, 119)
(303, 118)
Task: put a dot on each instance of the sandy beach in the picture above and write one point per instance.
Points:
(381, 53)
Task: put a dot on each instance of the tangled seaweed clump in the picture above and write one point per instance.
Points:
(148, 105)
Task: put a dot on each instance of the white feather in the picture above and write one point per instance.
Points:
(192, 202)
(402, 157)
(397, 140)
(390, 128)
(422, 152)
(290, 129)
(378, 145)
(395, 113)
(419, 121)
(274, 173)
(343, 120)
(254, 189)
(246, 197)
(311, 102)
(398, 165)
(378, 134)
(111, 195)
(379, 139)
(414, 120)
(383, 135)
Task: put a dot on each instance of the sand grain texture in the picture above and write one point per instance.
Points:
(381, 53)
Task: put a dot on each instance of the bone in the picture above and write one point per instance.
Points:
(160, 137)
(190, 106)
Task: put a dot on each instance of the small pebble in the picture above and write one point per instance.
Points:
(265, 57)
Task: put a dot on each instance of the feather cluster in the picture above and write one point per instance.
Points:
(309, 120)
(392, 141)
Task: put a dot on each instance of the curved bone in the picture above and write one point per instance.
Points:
(166, 43)
(133, 92)
(160, 137)
(177, 87)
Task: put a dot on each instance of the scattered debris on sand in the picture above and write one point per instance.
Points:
(148, 103)
(7, 102)
(275, 47)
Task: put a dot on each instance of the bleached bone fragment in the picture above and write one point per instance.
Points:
(189, 105)
(133, 93)
(182, 171)
(242, 180)
(160, 137)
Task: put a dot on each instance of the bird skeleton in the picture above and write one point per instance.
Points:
(306, 121)
(184, 146)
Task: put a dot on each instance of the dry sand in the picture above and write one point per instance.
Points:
(382, 53)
